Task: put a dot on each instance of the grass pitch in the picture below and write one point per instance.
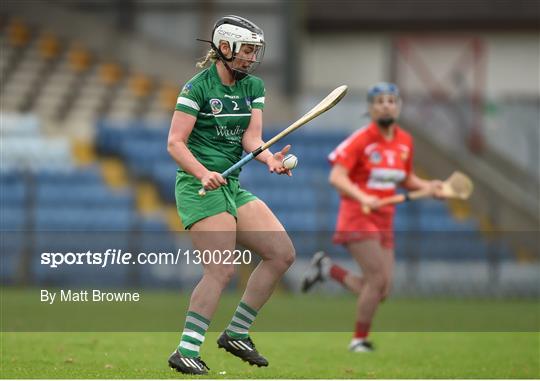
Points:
(461, 352)
(291, 355)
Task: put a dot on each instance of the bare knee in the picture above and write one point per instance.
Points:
(387, 288)
(288, 259)
(289, 256)
(221, 275)
(283, 257)
(377, 283)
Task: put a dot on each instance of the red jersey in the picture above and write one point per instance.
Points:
(375, 165)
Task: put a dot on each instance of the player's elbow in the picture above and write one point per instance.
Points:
(338, 176)
(173, 145)
(334, 179)
(170, 147)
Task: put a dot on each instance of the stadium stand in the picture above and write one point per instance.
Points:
(44, 190)
(69, 87)
(50, 204)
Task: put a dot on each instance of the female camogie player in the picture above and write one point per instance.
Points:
(368, 166)
(218, 115)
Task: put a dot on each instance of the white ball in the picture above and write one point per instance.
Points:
(290, 161)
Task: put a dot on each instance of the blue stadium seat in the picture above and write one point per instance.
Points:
(87, 175)
(13, 218)
(76, 194)
(75, 219)
(13, 193)
(155, 223)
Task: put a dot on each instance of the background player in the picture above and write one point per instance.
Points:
(219, 114)
(368, 166)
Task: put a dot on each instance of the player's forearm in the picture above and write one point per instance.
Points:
(413, 182)
(252, 138)
(185, 159)
(251, 143)
(345, 186)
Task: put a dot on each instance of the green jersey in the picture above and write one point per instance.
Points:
(223, 114)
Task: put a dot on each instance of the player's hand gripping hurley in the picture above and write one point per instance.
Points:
(326, 104)
(457, 186)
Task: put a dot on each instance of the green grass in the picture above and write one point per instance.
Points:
(473, 338)
(291, 355)
(22, 311)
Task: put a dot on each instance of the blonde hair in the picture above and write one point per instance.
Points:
(211, 56)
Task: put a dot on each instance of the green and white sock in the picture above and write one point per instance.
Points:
(193, 334)
(243, 318)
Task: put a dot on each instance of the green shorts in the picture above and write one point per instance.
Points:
(192, 207)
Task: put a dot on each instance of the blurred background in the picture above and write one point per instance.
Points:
(88, 89)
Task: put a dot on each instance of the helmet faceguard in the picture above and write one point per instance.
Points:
(239, 32)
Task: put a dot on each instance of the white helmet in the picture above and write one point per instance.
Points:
(237, 31)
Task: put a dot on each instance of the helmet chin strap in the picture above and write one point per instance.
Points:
(236, 74)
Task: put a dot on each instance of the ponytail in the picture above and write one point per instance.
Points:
(211, 56)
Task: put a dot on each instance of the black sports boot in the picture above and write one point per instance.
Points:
(314, 274)
(243, 348)
(187, 365)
